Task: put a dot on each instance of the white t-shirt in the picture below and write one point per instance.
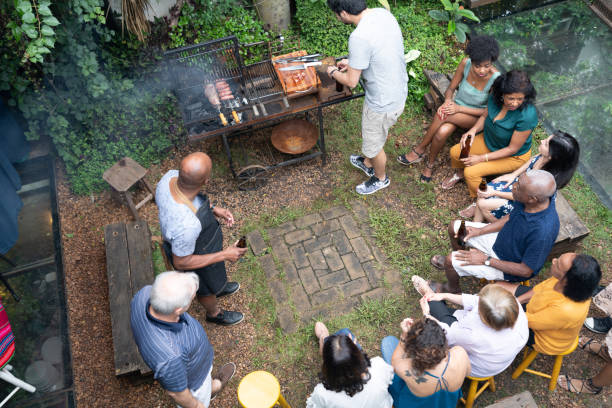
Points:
(373, 395)
(179, 225)
(490, 351)
(376, 47)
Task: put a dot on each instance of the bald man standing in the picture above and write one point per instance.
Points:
(513, 248)
(193, 235)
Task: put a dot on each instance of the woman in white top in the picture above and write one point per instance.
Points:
(349, 379)
(491, 327)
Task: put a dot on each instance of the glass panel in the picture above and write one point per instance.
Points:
(567, 51)
(38, 320)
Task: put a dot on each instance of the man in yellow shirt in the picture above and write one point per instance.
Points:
(557, 307)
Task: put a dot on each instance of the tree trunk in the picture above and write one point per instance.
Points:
(275, 14)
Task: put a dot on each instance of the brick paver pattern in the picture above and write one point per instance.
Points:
(322, 265)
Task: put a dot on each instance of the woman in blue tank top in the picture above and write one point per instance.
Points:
(427, 373)
(472, 80)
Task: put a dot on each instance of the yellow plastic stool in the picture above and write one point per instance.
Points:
(260, 389)
(556, 368)
(483, 281)
(474, 392)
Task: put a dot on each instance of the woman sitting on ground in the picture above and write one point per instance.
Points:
(557, 307)
(491, 327)
(559, 155)
(595, 384)
(428, 373)
(472, 80)
(501, 138)
(348, 377)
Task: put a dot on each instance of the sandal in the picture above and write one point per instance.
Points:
(588, 346)
(468, 212)
(403, 160)
(450, 183)
(420, 285)
(426, 179)
(438, 261)
(565, 382)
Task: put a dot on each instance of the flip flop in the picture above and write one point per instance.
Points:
(467, 212)
(450, 183)
(438, 261)
(402, 159)
(419, 284)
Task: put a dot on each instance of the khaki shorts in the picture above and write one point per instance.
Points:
(483, 243)
(375, 128)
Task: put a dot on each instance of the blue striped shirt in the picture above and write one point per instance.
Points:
(179, 354)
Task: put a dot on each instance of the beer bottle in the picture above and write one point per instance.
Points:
(242, 242)
(483, 185)
(465, 150)
(461, 234)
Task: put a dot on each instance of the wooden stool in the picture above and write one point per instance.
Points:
(122, 176)
(556, 368)
(260, 389)
(474, 392)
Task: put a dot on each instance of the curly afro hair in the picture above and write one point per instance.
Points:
(482, 48)
(425, 344)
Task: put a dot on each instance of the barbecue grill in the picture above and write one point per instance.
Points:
(218, 95)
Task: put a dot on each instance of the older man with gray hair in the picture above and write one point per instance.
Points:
(174, 344)
(513, 248)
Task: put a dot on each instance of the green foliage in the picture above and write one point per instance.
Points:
(454, 14)
(94, 105)
(205, 20)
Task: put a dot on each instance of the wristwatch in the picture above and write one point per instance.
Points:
(488, 261)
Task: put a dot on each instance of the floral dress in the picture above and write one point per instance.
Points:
(500, 186)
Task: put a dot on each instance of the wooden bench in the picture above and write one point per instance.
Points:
(129, 267)
(572, 229)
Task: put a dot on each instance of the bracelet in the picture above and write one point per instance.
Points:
(212, 206)
(486, 157)
(331, 74)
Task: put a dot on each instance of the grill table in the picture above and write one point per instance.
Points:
(193, 66)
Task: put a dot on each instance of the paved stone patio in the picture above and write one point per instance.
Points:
(323, 264)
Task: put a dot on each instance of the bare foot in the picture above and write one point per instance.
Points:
(321, 332)
(421, 285)
(469, 211)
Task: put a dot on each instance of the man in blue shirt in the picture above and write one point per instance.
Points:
(174, 344)
(513, 248)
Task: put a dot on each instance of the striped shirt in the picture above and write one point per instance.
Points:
(179, 354)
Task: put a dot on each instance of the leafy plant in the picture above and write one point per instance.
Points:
(454, 13)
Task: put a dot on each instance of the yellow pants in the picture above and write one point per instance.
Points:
(474, 174)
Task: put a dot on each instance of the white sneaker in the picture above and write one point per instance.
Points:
(372, 185)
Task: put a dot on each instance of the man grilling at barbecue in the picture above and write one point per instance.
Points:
(190, 229)
(376, 52)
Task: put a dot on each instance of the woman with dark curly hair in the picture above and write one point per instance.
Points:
(558, 155)
(472, 80)
(349, 379)
(501, 138)
(428, 373)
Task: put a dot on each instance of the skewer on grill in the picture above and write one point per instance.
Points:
(213, 98)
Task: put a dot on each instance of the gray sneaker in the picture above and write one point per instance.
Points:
(358, 161)
(372, 185)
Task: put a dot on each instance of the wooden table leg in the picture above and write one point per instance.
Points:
(128, 199)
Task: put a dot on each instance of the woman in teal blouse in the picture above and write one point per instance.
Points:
(501, 138)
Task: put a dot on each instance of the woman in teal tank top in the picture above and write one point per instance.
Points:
(472, 80)
(427, 373)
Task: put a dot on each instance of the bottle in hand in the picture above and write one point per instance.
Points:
(465, 150)
(483, 185)
(461, 234)
(241, 242)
